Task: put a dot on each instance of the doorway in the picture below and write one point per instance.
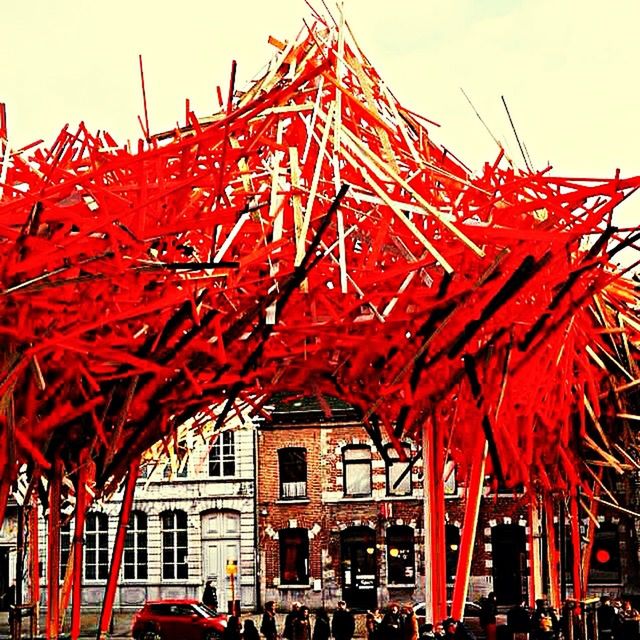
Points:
(221, 555)
(358, 566)
(509, 553)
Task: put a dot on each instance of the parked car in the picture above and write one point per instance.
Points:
(177, 619)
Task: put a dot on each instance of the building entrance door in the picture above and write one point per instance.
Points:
(221, 549)
(508, 551)
(359, 570)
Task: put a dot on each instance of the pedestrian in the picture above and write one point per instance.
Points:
(233, 630)
(544, 621)
(209, 596)
(302, 625)
(519, 621)
(343, 625)
(607, 619)
(249, 631)
(488, 613)
(322, 626)
(391, 625)
(287, 632)
(409, 624)
(268, 628)
(371, 626)
(456, 630)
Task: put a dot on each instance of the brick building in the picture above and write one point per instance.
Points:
(337, 521)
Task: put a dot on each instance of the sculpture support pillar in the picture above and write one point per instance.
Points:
(469, 527)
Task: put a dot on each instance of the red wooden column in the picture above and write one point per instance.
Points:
(118, 548)
(469, 526)
(78, 547)
(53, 556)
(553, 556)
(536, 588)
(434, 537)
(575, 539)
(34, 564)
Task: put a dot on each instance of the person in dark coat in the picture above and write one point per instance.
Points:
(607, 619)
(343, 625)
(322, 626)
(250, 632)
(519, 621)
(268, 628)
(210, 597)
(488, 613)
(302, 625)
(287, 632)
(391, 625)
(233, 630)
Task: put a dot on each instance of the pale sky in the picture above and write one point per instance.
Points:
(568, 69)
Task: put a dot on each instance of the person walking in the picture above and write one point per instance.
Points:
(210, 597)
(249, 631)
(607, 619)
(302, 625)
(488, 613)
(519, 621)
(268, 627)
(322, 626)
(409, 624)
(391, 625)
(343, 624)
(233, 630)
(287, 632)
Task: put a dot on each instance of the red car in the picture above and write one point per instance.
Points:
(177, 619)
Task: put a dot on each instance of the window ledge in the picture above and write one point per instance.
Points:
(294, 586)
(300, 500)
(357, 498)
(402, 586)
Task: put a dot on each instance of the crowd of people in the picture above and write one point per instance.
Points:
(400, 623)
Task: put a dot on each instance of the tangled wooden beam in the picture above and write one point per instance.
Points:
(310, 237)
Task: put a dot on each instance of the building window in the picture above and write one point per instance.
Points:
(294, 556)
(96, 550)
(357, 470)
(400, 555)
(65, 547)
(174, 545)
(292, 465)
(605, 555)
(222, 456)
(135, 547)
(398, 471)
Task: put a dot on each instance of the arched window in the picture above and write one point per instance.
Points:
(135, 547)
(398, 471)
(294, 556)
(401, 558)
(292, 467)
(222, 456)
(356, 460)
(96, 549)
(174, 545)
